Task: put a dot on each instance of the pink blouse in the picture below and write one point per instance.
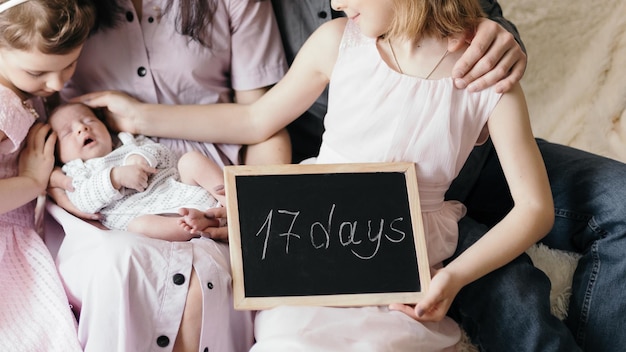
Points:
(159, 65)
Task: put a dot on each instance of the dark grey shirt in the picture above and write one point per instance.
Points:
(297, 20)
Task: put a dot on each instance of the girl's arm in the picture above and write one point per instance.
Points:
(35, 165)
(530, 219)
(532, 215)
(275, 150)
(234, 123)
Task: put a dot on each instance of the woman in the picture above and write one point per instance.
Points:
(133, 293)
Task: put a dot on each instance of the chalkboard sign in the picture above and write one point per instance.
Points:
(331, 235)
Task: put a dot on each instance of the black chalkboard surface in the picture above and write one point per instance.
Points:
(332, 235)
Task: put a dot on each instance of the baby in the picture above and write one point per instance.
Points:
(136, 186)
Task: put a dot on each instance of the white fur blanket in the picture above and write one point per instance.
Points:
(575, 85)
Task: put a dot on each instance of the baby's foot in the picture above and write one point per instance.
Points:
(193, 221)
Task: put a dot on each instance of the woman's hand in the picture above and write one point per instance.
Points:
(494, 57)
(219, 230)
(59, 183)
(120, 110)
(60, 180)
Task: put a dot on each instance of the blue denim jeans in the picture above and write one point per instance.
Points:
(507, 310)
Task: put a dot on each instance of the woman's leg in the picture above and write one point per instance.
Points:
(125, 288)
(590, 203)
(509, 308)
(188, 338)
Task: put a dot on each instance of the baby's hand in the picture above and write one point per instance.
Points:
(132, 176)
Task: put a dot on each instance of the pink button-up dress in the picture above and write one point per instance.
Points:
(130, 290)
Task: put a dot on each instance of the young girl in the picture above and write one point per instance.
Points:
(391, 98)
(40, 41)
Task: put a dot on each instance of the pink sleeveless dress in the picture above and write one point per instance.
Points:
(376, 114)
(34, 310)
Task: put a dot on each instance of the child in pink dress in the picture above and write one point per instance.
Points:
(36, 58)
(391, 98)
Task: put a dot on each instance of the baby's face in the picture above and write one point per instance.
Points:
(81, 135)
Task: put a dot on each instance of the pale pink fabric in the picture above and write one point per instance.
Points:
(130, 289)
(120, 283)
(379, 115)
(364, 329)
(34, 311)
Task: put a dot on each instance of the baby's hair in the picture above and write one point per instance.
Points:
(438, 18)
(97, 112)
(54, 27)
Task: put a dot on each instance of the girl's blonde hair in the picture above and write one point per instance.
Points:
(53, 27)
(439, 18)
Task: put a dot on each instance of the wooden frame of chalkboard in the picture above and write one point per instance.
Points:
(328, 235)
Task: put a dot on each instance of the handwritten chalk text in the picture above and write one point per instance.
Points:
(349, 233)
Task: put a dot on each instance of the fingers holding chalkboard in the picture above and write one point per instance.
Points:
(436, 302)
(439, 296)
(407, 309)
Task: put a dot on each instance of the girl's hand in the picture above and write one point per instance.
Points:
(121, 110)
(37, 158)
(494, 57)
(437, 300)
